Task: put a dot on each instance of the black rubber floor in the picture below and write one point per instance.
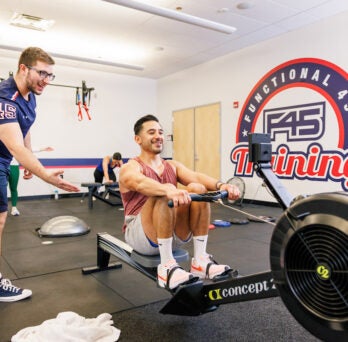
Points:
(53, 271)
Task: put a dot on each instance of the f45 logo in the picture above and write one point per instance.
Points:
(7, 111)
(300, 122)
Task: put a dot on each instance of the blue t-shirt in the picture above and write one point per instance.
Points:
(14, 108)
(100, 166)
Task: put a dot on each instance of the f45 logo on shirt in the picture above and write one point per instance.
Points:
(7, 111)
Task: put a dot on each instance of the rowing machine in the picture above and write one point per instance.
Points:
(191, 299)
(308, 251)
(147, 264)
(308, 257)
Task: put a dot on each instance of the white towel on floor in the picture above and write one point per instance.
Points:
(71, 327)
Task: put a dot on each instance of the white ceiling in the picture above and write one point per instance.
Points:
(96, 29)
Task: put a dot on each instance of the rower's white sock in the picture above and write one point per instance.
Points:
(166, 250)
(199, 245)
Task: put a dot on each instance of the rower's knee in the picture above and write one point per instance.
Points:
(196, 188)
(159, 204)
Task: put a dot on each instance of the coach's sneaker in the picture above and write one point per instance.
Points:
(205, 267)
(11, 293)
(171, 275)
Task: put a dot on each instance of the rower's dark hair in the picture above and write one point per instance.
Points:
(139, 124)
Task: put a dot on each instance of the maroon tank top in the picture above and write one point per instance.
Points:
(133, 201)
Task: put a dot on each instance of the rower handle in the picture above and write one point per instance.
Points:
(211, 196)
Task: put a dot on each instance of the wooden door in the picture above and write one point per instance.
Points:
(196, 138)
(207, 140)
(183, 137)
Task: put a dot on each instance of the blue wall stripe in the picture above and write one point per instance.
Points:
(74, 162)
(70, 162)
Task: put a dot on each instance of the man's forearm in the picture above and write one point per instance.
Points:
(150, 187)
(28, 160)
(209, 182)
(27, 141)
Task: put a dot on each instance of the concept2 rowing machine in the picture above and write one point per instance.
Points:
(308, 257)
(308, 251)
(147, 264)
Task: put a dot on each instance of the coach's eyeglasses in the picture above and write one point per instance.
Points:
(43, 74)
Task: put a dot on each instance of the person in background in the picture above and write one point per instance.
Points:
(105, 168)
(18, 107)
(147, 182)
(14, 178)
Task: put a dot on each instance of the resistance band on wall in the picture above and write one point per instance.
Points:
(86, 92)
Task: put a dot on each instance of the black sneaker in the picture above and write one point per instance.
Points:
(11, 293)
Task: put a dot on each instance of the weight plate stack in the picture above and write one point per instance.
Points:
(309, 263)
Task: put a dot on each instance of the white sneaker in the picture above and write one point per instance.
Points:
(15, 211)
(11, 293)
(171, 275)
(205, 267)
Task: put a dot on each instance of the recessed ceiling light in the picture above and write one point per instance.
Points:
(244, 5)
(31, 22)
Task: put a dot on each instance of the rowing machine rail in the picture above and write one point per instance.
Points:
(108, 245)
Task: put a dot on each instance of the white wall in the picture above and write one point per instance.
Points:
(118, 100)
(232, 77)
(116, 103)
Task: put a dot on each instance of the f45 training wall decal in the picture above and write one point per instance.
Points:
(303, 105)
